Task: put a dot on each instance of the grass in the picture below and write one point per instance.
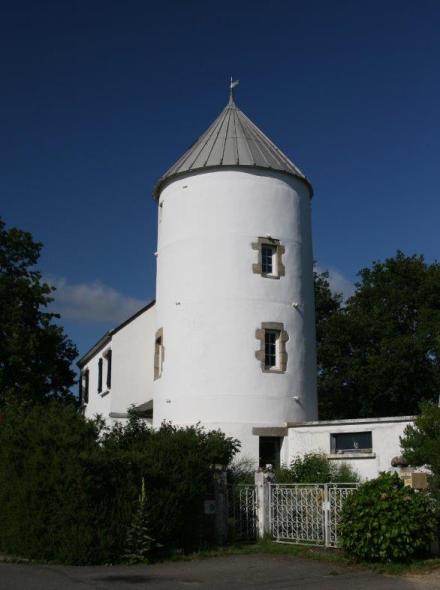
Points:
(335, 556)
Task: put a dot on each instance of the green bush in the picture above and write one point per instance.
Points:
(315, 468)
(421, 443)
(387, 521)
(69, 492)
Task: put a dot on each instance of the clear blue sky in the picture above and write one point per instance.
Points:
(98, 98)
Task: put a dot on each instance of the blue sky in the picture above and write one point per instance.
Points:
(100, 97)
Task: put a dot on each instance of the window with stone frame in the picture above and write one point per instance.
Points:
(158, 354)
(270, 262)
(272, 352)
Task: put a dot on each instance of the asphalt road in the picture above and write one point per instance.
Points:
(259, 572)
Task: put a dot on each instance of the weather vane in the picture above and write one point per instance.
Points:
(232, 85)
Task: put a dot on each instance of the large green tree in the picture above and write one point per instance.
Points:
(379, 353)
(35, 354)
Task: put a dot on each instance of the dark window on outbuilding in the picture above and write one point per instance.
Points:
(108, 356)
(85, 386)
(351, 442)
(269, 451)
(100, 375)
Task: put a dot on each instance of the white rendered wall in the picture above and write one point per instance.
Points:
(99, 403)
(386, 433)
(209, 302)
(132, 349)
(132, 363)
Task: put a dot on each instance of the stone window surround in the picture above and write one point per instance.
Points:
(283, 338)
(257, 268)
(159, 353)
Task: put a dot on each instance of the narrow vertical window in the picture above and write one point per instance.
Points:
(272, 353)
(270, 349)
(158, 354)
(86, 386)
(100, 362)
(109, 369)
(268, 256)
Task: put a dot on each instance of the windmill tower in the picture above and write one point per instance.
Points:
(235, 320)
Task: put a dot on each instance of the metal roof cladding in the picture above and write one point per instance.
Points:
(232, 140)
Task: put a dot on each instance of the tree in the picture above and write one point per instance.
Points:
(421, 443)
(379, 354)
(35, 354)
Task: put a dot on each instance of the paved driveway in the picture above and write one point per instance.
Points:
(259, 572)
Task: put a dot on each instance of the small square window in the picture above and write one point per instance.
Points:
(351, 442)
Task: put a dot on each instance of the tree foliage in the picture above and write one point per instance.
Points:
(378, 355)
(383, 520)
(35, 354)
(421, 443)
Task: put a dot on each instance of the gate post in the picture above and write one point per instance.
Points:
(263, 479)
(221, 505)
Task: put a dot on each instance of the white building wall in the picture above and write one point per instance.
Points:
(99, 403)
(315, 437)
(210, 303)
(132, 363)
(132, 347)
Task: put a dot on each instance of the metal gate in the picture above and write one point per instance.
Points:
(243, 511)
(307, 513)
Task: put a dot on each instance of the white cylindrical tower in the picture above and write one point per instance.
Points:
(235, 338)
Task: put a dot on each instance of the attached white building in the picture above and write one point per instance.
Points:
(230, 340)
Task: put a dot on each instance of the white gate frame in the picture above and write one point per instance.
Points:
(305, 513)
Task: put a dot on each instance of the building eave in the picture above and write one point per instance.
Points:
(354, 421)
(163, 182)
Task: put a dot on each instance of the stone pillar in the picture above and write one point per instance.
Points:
(263, 479)
(221, 505)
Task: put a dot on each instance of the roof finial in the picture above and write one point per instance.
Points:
(232, 85)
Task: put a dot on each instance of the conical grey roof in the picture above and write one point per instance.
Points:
(231, 140)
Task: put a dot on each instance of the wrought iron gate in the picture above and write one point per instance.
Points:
(243, 511)
(307, 513)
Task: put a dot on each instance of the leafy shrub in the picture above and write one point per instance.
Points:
(387, 521)
(315, 468)
(242, 471)
(69, 492)
(421, 443)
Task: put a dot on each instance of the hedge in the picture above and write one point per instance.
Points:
(69, 489)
